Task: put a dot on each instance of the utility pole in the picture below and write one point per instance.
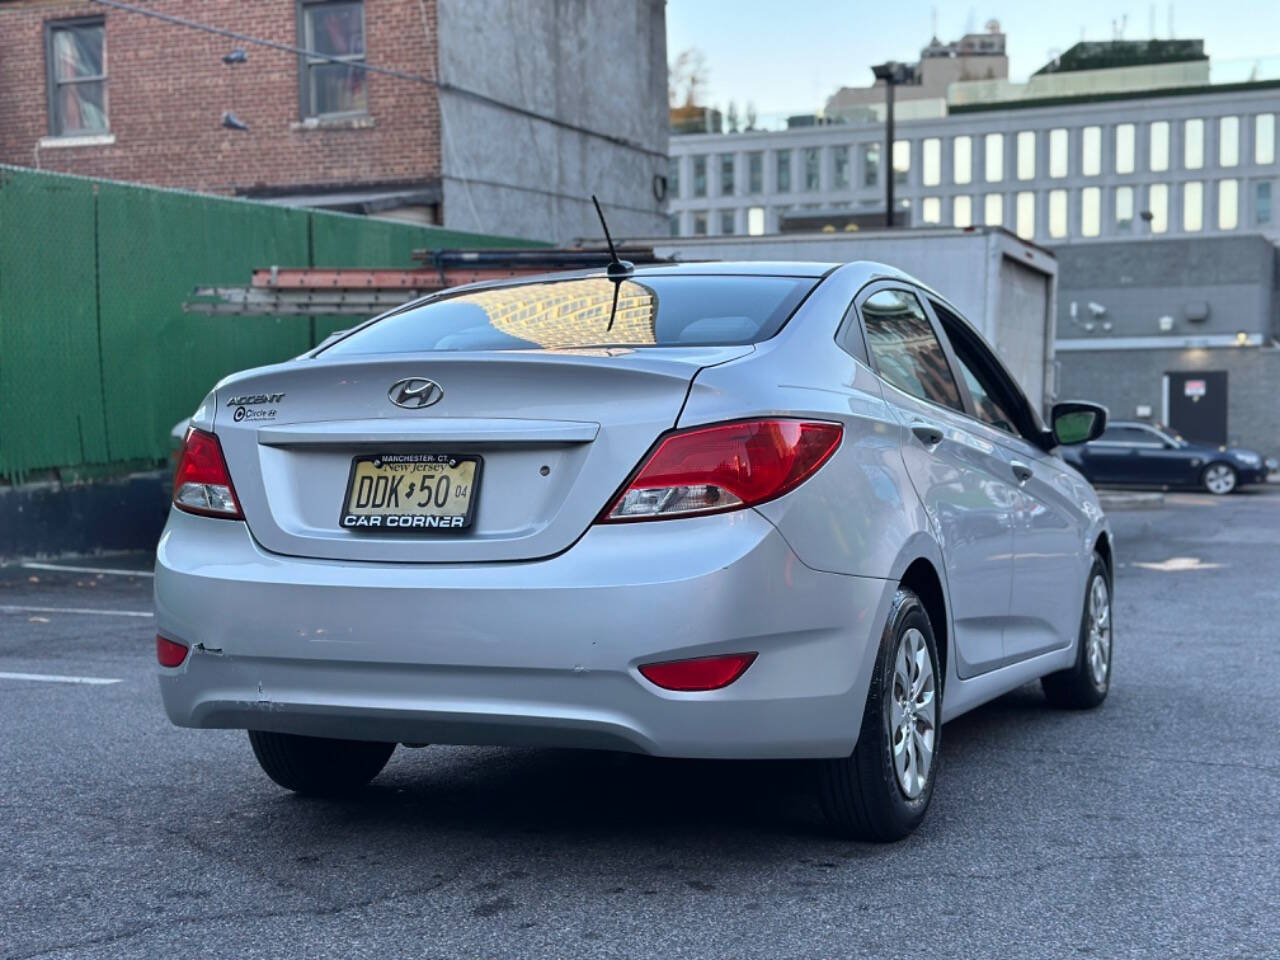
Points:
(892, 73)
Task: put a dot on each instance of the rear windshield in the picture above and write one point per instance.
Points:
(653, 311)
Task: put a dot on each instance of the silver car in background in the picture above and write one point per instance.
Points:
(728, 510)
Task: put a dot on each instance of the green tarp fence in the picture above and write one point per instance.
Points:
(97, 358)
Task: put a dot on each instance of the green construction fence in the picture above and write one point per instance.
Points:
(98, 359)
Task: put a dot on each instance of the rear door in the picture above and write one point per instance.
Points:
(1113, 457)
(1048, 571)
(963, 479)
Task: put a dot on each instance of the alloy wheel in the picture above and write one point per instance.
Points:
(913, 713)
(1098, 644)
(1220, 478)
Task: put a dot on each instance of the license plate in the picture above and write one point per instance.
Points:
(411, 493)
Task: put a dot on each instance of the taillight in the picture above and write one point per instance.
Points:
(169, 653)
(700, 673)
(725, 467)
(202, 483)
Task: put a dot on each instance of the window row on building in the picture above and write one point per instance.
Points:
(331, 84)
(1053, 214)
(1057, 153)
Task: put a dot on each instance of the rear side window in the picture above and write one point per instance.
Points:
(649, 311)
(905, 350)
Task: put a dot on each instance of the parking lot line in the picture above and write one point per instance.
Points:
(55, 678)
(63, 568)
(82, 611)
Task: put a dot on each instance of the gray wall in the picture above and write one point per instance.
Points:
(1140, 281)
(1122, 379)
(598, 64)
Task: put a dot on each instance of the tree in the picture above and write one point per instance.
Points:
(751, 116)
(687, 76)
(731, 117)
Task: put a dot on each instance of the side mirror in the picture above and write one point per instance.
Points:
(1075, 421)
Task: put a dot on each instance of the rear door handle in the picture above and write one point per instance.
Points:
(927, 433)
(1021, 471)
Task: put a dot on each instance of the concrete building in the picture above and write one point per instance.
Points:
(1128, 161)
(476, 114)
(974, 57)
(1180, 331)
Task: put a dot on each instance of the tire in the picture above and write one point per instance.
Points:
(318, 766)
(867, 796)
(1085, 685)
(1220, 478)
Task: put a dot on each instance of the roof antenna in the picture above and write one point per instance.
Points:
(617, 269)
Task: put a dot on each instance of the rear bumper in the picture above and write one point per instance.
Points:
(537, 653)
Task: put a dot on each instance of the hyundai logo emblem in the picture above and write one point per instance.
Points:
(414, 393)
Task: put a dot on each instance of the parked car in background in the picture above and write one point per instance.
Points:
(722, 510)
(1131, 452)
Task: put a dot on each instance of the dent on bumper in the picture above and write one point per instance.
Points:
(541, 652)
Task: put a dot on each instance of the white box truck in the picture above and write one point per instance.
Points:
(1004, 286)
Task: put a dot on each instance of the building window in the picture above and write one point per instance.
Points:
(1125, 148)
(674, 222)
(931, 210)
(1192, 206)
(840, 167)
(1158, 146)
(784, 171)
(901, 162)
(700, 223)
(931, 161)
(755, 221)
(962, 160)
(726, 174)
(673, 178)
(1193, 144)
(812, 169)
(1264, 139)
(335, 29)
(1228, 204)
(1026, 146)
(1025, 215)
(755, 172)
(1058, 213)
(1124, 208)
(1059, 155)
(700, 176)
(1262, 202)
(1090, 211)
(1158, 206)
(993, 209)
(76, 59)
(993, 169)
(1229, 141)
(962, 212)
(871, 165)
(727, 222)
(1091, 151)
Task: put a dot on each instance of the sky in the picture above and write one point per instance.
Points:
(788, 57)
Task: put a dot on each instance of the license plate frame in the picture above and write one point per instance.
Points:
(400, 528)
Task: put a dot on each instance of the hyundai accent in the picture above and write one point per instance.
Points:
(728, 510)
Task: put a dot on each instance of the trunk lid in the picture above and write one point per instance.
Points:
(557, 433)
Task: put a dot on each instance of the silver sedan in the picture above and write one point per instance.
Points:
(729, 510)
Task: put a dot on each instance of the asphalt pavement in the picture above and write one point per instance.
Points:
(1147, 828)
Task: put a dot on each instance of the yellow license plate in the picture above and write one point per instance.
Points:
(411, 493)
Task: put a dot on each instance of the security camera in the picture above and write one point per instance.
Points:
(1097, 309)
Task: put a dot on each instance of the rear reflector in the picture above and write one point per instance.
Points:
(702, 673)
(725, 467)
(169, 653)
(202, 482)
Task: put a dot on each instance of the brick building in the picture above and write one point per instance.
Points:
(521, 130)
